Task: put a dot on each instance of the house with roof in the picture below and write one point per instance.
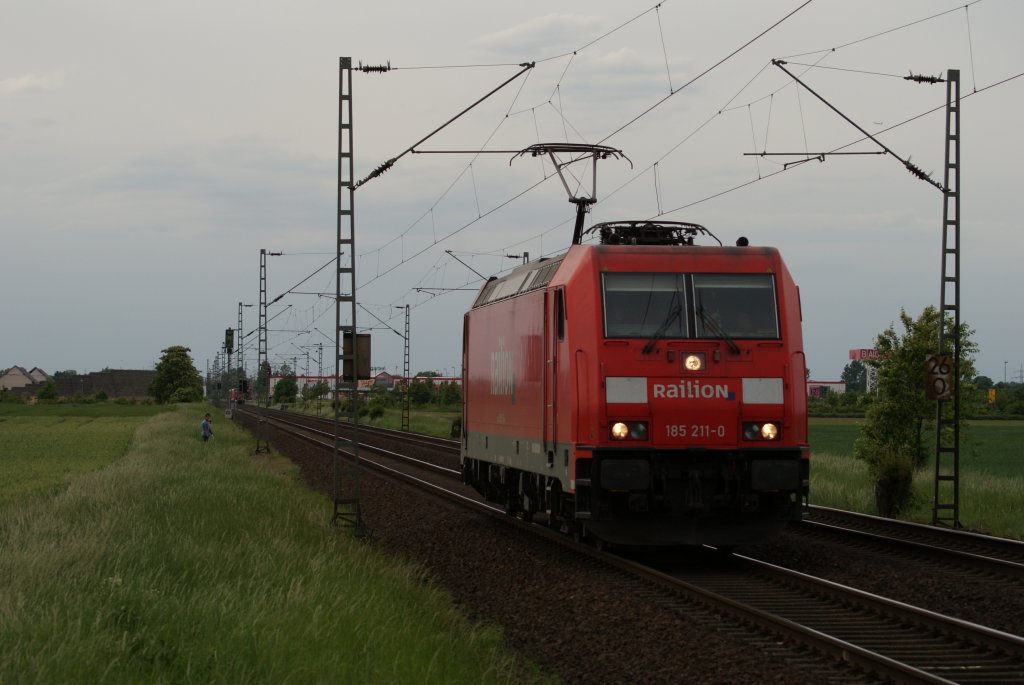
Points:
(18, 377)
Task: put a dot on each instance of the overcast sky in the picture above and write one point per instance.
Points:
(148, 151)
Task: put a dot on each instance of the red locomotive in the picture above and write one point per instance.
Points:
(641, 391)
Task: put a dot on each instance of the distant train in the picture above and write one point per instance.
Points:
(641, 391)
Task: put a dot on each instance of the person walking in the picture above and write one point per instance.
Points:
(207, 429)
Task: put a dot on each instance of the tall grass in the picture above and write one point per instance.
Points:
(184, 562)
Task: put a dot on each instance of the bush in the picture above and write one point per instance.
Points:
(100, 396)
(893, 473)
(188, 394)
(8, 397)
(48, 391)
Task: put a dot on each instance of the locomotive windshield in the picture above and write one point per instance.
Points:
(740, 305)
(642, 305)
(657, 305)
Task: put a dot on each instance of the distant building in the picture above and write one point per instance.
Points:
(438, 381)
(18, 377)
(112, 382)
(822, 388)
(383, 380)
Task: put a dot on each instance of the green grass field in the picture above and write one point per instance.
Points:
(991, 475)
(153, 558)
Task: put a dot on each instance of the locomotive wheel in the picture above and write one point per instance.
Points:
(554, 502)
(511, 506)
(527, 515)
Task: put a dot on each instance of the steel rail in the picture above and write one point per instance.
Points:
(972, 550)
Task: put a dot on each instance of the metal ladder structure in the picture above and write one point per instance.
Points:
(241, 344)
(405, 376)
(346, 489)
(946, 505)
(262, 444)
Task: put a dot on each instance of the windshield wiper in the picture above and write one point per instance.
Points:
(710, 323)
(673, 314)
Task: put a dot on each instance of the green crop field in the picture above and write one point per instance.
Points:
(991, 447)
(44, 446)
(991, 475)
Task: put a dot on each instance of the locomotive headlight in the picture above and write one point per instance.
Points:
(768, 430)
(693, 362)
(629, 430)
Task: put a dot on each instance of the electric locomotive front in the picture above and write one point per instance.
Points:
(703, 436)
(663, 393)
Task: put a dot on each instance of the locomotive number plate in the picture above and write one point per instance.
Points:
(695, 431)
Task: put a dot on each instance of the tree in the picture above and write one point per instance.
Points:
(450, 394)
(421, 391)
(855, 375)
(1009, 398)
(176, 379)
(286, 387)
(893, 440)
(318, 389)
(48, 391)
(263, 381)
(68, 373)
(983, 383)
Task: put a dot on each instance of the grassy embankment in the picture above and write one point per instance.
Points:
(991, 475)
(131, 552)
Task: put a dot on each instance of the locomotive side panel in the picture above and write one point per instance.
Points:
(502, 375)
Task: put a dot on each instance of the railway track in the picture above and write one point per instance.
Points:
(887, 638)
(370, 434)
(954, 548)
(898, 641)
(983, 552)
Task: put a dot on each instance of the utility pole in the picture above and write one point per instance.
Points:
(942, 376)
(946, 502)
(405, 375)
(241, 340)
(262, 444)
(347, 500)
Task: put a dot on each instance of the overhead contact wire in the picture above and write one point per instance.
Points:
(706, 71)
